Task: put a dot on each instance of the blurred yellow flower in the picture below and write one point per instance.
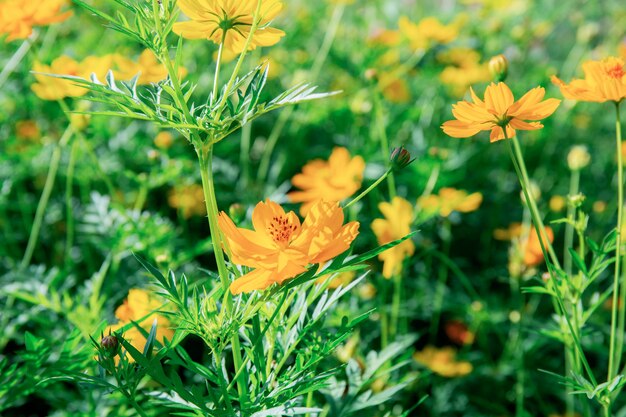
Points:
(17, 17)
(443, 361)
(341, 279)
(533, 255)
(449, 200)
(599, 207)
(163, 140)
(396, 224)
(52, 88)
(332, 180)
(465, 69)
(498, 110)
(393, 88)
(280, 247)
(140, 307)
(229, 22)
(604, 81)
(188, 199)
(557, 203)
(385, 37)
(148, 67)
(428, 31)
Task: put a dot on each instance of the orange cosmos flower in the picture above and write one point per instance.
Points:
(604, 81)
(17, 17)
(332, 180)
(533, 255)
(281, 247)
(498, 110)
(229, 22)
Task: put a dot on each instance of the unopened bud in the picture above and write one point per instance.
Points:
(163, 140)
(499, 67)
(111, 345)
(576, 200)
(578, 158)
(237, 212)
(400, 158)
(371, 74)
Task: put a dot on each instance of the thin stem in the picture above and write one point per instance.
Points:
(441, 282)
(384, 143)
(370, 188)
(16, 58)
(395, 305)
(518, 163)
(69, 210)
(218, 64)
(205, 156)
(45, 197)
(255, 24)
(569, 228)
(619, 341)
(534, 211)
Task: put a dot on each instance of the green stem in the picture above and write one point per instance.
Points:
(69, 210)
(255, 24)
(16, 58)
(395, 306)
(384, 143)
(520, 168)
(45, 197)
(370, 188)
(534, 211)
(569, 228)
(441, 282)
(218, 63)
(205, 157)
(615, 349)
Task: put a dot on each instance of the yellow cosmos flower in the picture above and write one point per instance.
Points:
(140, 304)
(499, 110)
(148, 67)
(449, 200)
(604, 81)
(443, 361)
(229, 22)
(396, 224)
(52, 88)
(394, 89)
(427, 31)
(17, 17)
(280, 247)
(332, 180)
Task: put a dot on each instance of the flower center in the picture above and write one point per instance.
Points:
(615, 68)
(281, 229)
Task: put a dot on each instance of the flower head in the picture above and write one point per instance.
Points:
(189, 199)
(17, 17)
(281, 247)
(229, 22)
(139, 307)
(332, 180)
(449, 200)
(443, 361)
(427, 31)
(604, 81)
(396, 224)
(500, 110)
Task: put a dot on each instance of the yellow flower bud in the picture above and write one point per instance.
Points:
(578, 158)
(163, 140)
(499, 67)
